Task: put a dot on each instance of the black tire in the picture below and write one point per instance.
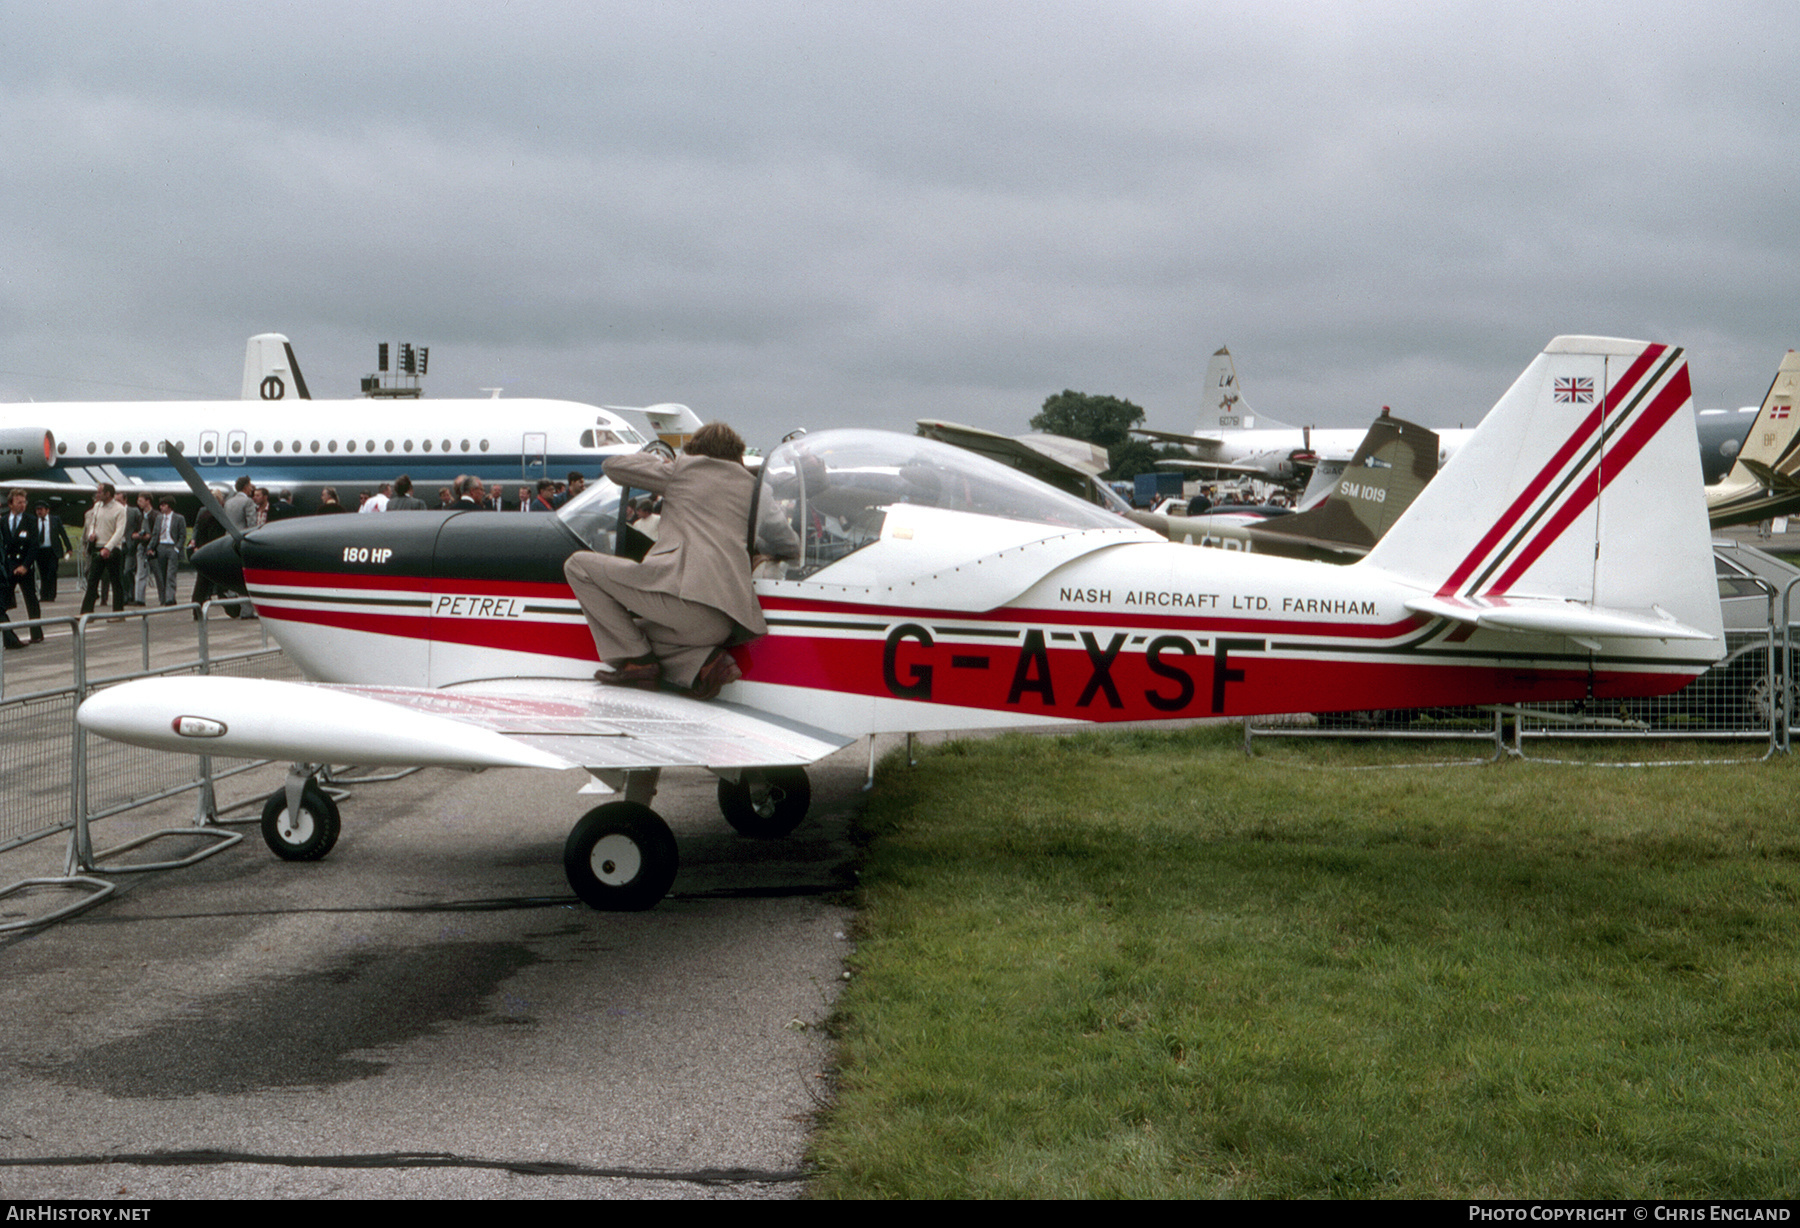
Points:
(767, 808)
(312, 836)
(621, 857)
(1758, 699)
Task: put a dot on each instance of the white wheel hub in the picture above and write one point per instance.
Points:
(616, 860)
(295, 830)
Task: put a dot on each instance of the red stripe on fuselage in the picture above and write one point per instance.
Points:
(570, 640)
(460, 585)
(1037, 680)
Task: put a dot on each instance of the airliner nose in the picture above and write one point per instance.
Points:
(220, 562)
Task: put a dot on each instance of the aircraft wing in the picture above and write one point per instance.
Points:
(1200, 443)
(1067, 464)
(528, 722)
(1206, 466)
(83, 481)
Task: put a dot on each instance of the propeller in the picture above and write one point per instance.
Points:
(202, 492)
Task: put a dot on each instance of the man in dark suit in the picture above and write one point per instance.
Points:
(16, 526)
(137, 537)
(162, 550)
(209, 529)
(52, 549)
(469, 495)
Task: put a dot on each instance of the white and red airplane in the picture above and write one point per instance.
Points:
(1563, 554)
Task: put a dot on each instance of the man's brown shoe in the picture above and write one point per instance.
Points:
(643, 675)
(719, 670)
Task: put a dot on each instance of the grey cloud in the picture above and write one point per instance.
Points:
(867, 213)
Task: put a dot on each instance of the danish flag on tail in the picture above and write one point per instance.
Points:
(1577, 508)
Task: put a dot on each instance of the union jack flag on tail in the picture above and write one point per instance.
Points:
(1578, 390)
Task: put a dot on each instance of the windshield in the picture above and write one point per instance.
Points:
(1111, 499)
(594, 515)
(826, 496)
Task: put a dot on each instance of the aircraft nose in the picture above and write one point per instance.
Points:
(220, 562)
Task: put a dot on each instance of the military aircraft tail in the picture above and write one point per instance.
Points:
(271, 372)
(1390, 468)
(1765, 478)
(1575, 508)
(1221, 408)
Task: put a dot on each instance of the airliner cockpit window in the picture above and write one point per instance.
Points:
(827, 496)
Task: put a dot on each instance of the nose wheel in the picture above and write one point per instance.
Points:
(621, 857)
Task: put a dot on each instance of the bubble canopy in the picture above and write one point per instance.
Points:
(827, 495)
(823, 496)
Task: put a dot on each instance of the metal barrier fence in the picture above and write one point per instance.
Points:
(1745, 697)
(57, 779)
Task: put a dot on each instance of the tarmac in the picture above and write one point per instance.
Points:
(428, 1012)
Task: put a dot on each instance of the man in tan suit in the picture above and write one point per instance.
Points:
(692, 595)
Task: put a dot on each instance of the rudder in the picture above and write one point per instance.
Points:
(1582, 484)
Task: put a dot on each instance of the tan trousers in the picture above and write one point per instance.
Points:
(627, 621)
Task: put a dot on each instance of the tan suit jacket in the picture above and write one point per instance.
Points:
(701, 552)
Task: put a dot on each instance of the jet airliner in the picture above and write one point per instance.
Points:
(284, 439)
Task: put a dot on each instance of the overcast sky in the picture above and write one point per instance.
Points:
(816, 214)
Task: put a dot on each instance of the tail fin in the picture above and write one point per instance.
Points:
(1765, 478)
(271, 372)
(1582, 485)
(1391, 467)
(1221, 406)
(674, 424)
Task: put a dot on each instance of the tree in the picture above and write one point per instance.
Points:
(1106, 421)
(1136, 456)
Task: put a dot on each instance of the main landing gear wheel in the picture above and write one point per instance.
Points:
(621, 857)
(766, 803)
(307, 836)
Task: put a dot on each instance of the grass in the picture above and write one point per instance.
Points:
(1142, 965)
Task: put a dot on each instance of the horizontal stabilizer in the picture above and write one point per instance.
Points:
(1549, 616)
(1772, 480)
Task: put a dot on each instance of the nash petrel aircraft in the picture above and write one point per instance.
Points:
(1562, 554)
